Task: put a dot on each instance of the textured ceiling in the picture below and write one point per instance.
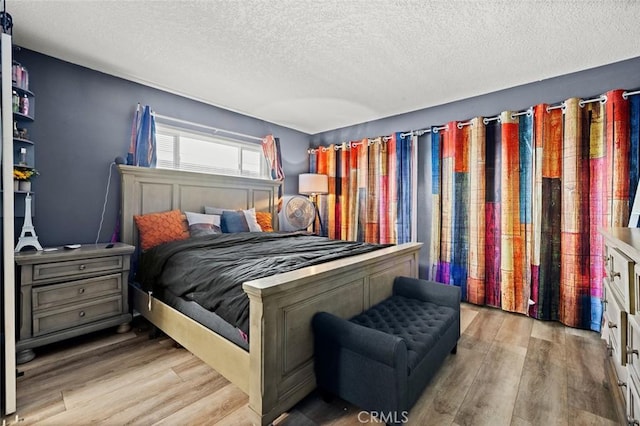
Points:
(319, 65)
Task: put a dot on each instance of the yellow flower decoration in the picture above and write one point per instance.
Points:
(24, 174)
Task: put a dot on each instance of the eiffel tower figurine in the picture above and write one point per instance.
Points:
(28, 240)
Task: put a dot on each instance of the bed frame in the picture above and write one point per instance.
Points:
(277, 372)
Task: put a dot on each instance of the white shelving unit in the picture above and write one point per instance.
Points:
(8, 261)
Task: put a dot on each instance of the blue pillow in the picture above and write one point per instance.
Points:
(233, 222)
(249, 214)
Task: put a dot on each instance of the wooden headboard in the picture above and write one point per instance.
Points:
(146, 190)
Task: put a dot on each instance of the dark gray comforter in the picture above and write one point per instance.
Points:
(210, 270)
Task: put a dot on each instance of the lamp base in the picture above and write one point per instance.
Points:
(321, 234)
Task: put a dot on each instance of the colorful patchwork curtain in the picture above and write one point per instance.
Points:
(372, 189)
(406, 176)
(142, 148)
(454, 201)
(325, 164)
(546, 203)
(271, 150)
(518, 202)
(478, 212)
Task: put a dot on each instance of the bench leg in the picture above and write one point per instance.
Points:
(455, 349)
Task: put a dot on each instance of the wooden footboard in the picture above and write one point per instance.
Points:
(281, 308)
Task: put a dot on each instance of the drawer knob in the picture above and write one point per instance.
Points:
(631, 351)
(612, 324)
(632, 422)
(81, 290)
(622, 384)
(615, 274)
(81, 313)
(83, 267)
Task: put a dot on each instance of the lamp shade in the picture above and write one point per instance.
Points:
(313, 184)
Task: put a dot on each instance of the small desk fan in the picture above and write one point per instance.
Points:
(299, 212)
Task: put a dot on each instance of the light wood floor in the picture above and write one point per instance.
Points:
(509, 370)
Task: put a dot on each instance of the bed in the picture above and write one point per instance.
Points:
(277, 370)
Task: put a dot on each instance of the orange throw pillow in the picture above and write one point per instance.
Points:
(264, 220)
(158, 228)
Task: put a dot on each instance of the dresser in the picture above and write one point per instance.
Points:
(69, 292)
(621, 318)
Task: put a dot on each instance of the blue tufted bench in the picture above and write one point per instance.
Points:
(382, 359)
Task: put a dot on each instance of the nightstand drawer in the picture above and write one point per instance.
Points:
(59, 319)
(45, 271)
(50, 296)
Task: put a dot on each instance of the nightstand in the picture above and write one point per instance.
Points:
(70, 292)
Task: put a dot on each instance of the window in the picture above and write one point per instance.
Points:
(189, 150)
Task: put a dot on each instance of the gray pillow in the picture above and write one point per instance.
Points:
(203, 224)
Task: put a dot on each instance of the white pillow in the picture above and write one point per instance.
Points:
(250, 215)
(211, 219)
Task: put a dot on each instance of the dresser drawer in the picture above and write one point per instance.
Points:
(615, 320)
(635, 290)
(54, 295)
(633, 347)
(51, 320)
(622, 375)
(633, 401)
(604, 330)
(620, 272)
(70, 268)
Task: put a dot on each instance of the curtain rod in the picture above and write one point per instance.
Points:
(384, 139)
(336, 147)
(203, 126)
(415, 132)
(434, 129)
(602, 99)
(561, 105)
(346, 145)
(528, 112)
(486, 120)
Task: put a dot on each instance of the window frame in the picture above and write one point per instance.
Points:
(177, 133)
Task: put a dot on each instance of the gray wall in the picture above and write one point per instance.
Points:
(584, 84)
(83, 121)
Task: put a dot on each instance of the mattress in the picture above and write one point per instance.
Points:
(206, 318)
